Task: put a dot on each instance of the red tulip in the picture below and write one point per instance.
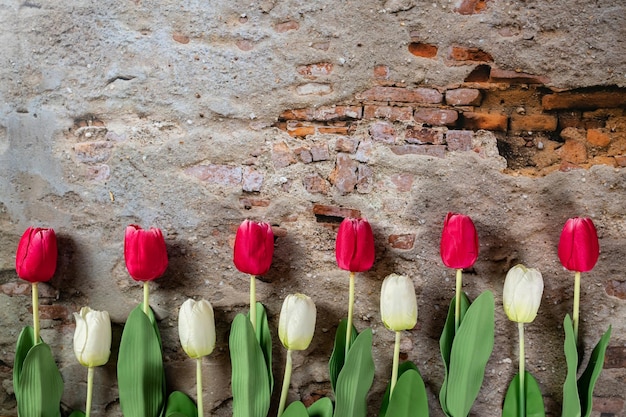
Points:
(254, 247)
(36, 258)
(578, 247)
(145, 253)
(354, 248)
(459, 242)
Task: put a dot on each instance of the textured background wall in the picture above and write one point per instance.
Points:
(193, 116)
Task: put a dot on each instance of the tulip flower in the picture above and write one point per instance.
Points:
(92, 344)
(398, 310)
(578, 251)
(521, 296)
(459, 249)
(196, 329)
(36, 261)
(354, 251)
(254, 249)
(145, 255)
(296, 326)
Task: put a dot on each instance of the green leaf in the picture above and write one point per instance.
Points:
(471, 349)
(179, 404)
(141, 377)
(534, 399)
(264, 338)
(24, 343)
(77, 413)
(250, 381)
(571, 400)
(355, 379)
(409, 396)
(295, 409)
(588, 379)
(337, 358)
(445, 345)
(402, 368)
(40, 384)
(321, 408)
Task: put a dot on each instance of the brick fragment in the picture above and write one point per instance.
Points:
(533, 123)
(53, 312)
(245, 44)
(318, 89)
(597, 137)
(224, 175)
(100, 172)
(381, 72)
(346, 145)
(248, 203)
(603, 160)
(423, 135)
(516, 77)
(620, 160)
(320, 152)
(463, 97)
(304, 154)
(423, 50)
(365, 179)
(383, 132)
(323, 114)
(464, 55)
(615, 357)
(585, 100)
(393, 113)
(344, 176)
(93, 152)
(438, 151)
(315, 184)
(467, 7)
(334, 211)
(299, 129)
(402, 95)
(404, 242)
(313, 71)
(436, 117)
(180, 38)
(282, 156)
(286, 26)
(573, 151)
(364, 151)
(346, 129)
(403, 181)
(570, 119)
(459, 140)
(252, 180)
(486, 121)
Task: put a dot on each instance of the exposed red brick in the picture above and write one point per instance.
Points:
(423, 50)
(53, 312)
(248, 203)
(392, 113)
(365, 179)
(463, 97)
(402, 95)
(423, 135)
(516, 77)
(344, 176)
(459, 140)
(486, 121)
(404, 242)
(320, 152)
(573, 151)
(282, 155)
(323, 113)
(364, 151)
(469, 55)
(381, 72)
(286, 26)
(180, 38)
(334, 211)
(304, 154)
(570, 119)
(584, 100)
(597, 137)
(252, 180)
(313, 71)
(225, 175)
(468, 7)
(620, 160)
(403, 182)
(383, 132)
(336, 130)
(315, 184)
(438, 151)
(533, 123)
(436, 117)
(615, 357)
(480, 74)
(299, 129)
(608, 405)
(347, 145)
(93, 152)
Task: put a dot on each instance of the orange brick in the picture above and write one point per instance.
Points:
(402, 241)
(515, 77)
(299, 129)
(388, 112)
(437, 117)
(467, 7)
(585, 100)
(334, 211)
(469, 55)
(423, 50)
(402, 95)
(533, 123)
(486, 121)
(573, 151)
(597, 137)
(604, 160)
(313, 71)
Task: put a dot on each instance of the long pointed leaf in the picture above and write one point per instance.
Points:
(471, 350)
(41, 384)
(264, 337)
(77, 413)
(337, 358)
(409, 397)
(140, 372)
(355, 379)
(295, 409)
(588, 379)
(534, 399)
(571, 400)
(321, 408)
(179, 404)
(402, 368)
(250, 381)
(24, 343)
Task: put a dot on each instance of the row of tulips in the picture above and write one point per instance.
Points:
(466, 342)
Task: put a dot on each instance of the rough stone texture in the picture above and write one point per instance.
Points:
(169, 115)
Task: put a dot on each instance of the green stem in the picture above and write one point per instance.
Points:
(522, 372)
(457, 304)
(253, 302)
(90, 372)
(350, 313)
(576, 304)
(199, 386)
(146, 296)
(286, 382)
(35, 291)
(396, 363)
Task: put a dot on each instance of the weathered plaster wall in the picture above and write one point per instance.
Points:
(181, 115)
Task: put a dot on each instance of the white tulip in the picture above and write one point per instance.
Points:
(398, 304)
(297, 322)
(523, 288)
(196, 328)
(92, 338)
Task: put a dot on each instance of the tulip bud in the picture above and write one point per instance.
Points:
(578, 246)
(354, 247)
(36, 258)
(398, 304)
(145, 253)
(297, 322)
(459, 242)
(92, 338)
(254, 247)
(196, 328)
(522, 292)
